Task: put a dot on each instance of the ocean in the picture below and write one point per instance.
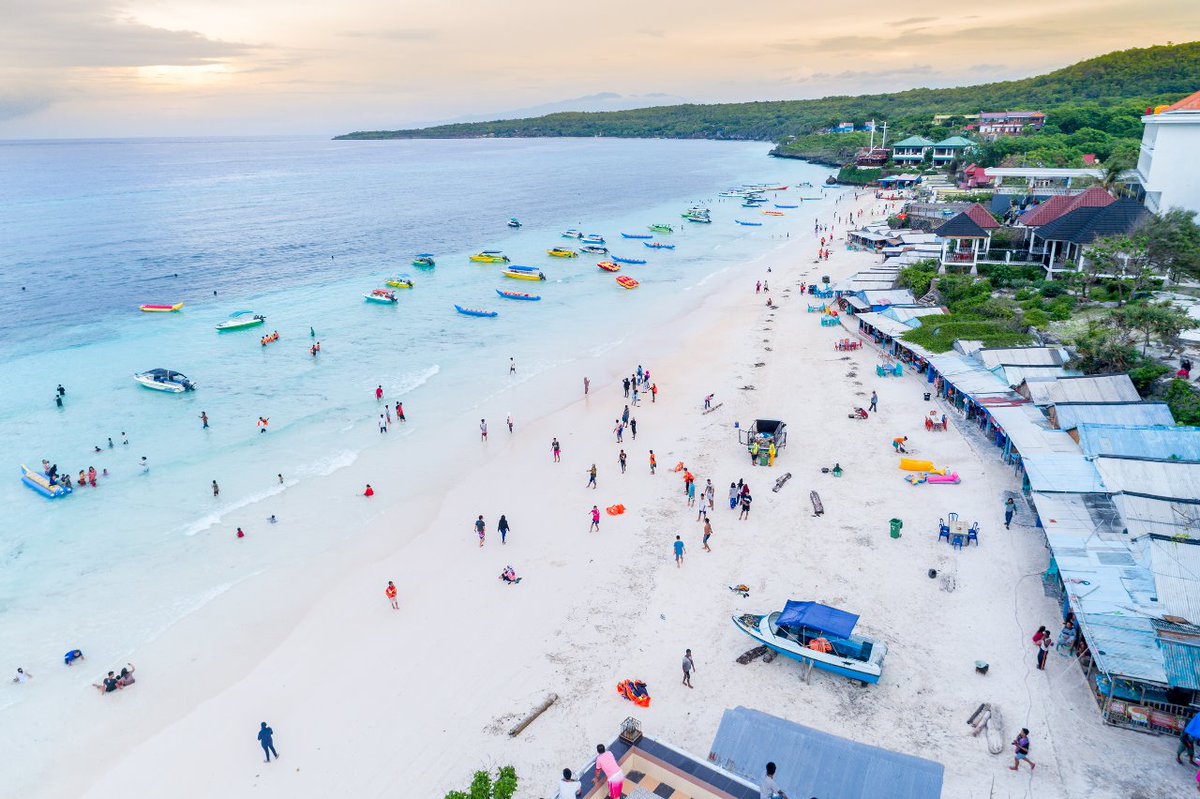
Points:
(298, 230)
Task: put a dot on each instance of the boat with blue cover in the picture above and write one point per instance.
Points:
(523, 273)
(748, 224)
(513, 223)
(592, 238)
(572, 234)
(424, 260)
(818, 636)
(629, 260)
(475, 311)
(777, 205)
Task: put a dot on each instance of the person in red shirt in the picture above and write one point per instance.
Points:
(391, 595)
(370, 492)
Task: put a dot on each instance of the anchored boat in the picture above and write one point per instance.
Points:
(474, 311)
(562, 252)
(516, 295)
(165, 380)
(592, 238)
(523, 273)
(636, 236)
(658, 245)
(629, 260)
(595, 249)
(424, 260)
(626, 282)
(514, 223)
(240, 320)
(820, 636)
(662, 229)
(381, 296)
(572, 234)
(402, 282)
(748, 224)
(161, 308)
(609, 266)
(489, 257)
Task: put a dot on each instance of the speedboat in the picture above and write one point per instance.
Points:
(40, 482)
(636, 236)
(475, 311)
(424, 260)
(609, 266)
(489, 257)
(562, 252)
(165, 380)
(595, 249)
(773, 213)
(381, 295)
(514, 223)
(626, 282)
(592, 238)
(572, 234)
(777, 205)
(523, 273)
(402, 282)
(748, 224)
(628, 260)
(818, 635)
(658, 245)
(161, 308)
(703, 220)
(240, 320)
(662, 229)
(516, 295)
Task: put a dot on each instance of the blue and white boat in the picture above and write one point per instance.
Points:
(777, 205)
(819, 636)
(513, 223)
(594, 249)
(592, 238)
(474, 311)
(658, 245)
(572, 234)
(629, 260)
(748, 224)
(517, 295)
(41, 483)
(636, 236)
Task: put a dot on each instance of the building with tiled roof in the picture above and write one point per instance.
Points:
(1066, 238)
(948, 150)
(1061, 204)
(911, 150)
(1168, 167)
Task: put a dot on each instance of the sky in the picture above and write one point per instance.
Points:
(117, 68)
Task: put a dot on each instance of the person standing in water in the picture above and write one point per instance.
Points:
(512, 366)
(400, 412)
(378, 393)
(203, 420)
(216, 489)
(586, 384)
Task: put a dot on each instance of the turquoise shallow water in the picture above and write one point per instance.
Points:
(297, 230)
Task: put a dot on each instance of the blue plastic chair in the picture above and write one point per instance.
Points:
(943, 531)
(957, 542)
(952, 516)
(973, 534)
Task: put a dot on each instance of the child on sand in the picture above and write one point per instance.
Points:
(678, 553)
(556, 449)
(391, 595)
(595, 525)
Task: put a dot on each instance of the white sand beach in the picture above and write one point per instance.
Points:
(370, 701)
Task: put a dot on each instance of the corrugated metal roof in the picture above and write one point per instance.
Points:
(1021, 356)
(1166, 517)
(889, 327)
(1180, 647)
(1124, 646)
(815, 763)
(888, 296)
(1041, 392)
(1072, 414)
(1143, 441)
(966, 375)
(856, 303)
(905, 313)
(1029, 431)
(1015, 375)
(1061, 472)
(1096, 388)
(1165, 479)
(1176, 569)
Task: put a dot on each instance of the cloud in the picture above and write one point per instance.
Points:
(984, 69)
(395, 34)
(918, 38)
(17, 105)
(68, 34)
(911, 21)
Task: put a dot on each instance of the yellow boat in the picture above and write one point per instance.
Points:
(562, 252)
(523, 273)
(489, 257)
(161, 308)
(402, 282)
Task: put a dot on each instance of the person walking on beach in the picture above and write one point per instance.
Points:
(483, 430)
(691, 493)
(480, 528)
(262, 424)
(633, 427)
(733, 496)
(688, 479)
(378, 393)
(556, 450)
(689, 666)
(264, 739)
(594, 527)
(510, 423)
(874, 402)
(653, 393)
(512, 366)
(621, 461)
(382, 424)
(606, 763)
(708, 402)
(1044, 647)
(746, 500)
(625, 383)
(653, 462)
(707, 534)
(758, 287)
(625, 415)
(592, 477)
(635, 395)
(216, 489)
(586, 385)
(701, 509)
(1010, 508)
(710, 493)
(390, 591)
(619, 429)
(1021, 751)
(678, 545)
(203, 421)
(502, 526)
(400, 412)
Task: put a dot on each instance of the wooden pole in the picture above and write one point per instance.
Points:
(532, 715)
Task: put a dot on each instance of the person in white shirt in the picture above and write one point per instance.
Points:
(769, 789)
(569, 788)
(22, 677)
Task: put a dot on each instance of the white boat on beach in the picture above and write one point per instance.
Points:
(165, 380)
(818, 636)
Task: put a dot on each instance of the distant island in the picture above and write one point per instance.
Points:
(1105, 95)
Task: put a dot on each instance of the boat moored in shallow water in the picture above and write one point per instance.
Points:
(165, 380)
(595, 249)
(626, 282)
(513, 223)
(661, 229)
(381, 296)
(517, 295)
(475, 311)
(424, 260)
(636, 236)
(658, 245)
(161, 308)
(524, 273)
(489, 257)
(562, 252)
(818, 635)
(401, 282)
(748, 224)
(628, 260)
(240, 320)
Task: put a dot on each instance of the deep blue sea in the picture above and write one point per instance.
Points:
(297, 230)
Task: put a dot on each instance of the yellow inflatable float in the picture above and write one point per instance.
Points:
(913, 465)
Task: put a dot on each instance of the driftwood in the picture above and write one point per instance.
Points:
(532, 715)
(818, 506)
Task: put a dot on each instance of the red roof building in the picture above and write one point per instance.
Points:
(1061, 205)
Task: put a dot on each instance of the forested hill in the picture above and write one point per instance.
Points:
(1152, 74)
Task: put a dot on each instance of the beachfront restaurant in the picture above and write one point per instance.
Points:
(964, 239)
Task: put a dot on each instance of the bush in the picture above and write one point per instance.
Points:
(1146, 375)
(1036, 318)
(1053, 288)
(1184, 402)
(1025, 292)
(1060, 309)
(506, 783)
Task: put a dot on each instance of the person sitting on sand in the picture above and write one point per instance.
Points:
(108, 684)
(509, 576)
(125, 678)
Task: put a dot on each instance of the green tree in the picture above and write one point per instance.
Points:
(1184, 402)
(1173, 244)
(1162, 321)
(1103, 348)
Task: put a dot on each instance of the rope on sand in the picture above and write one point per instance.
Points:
(529, 719)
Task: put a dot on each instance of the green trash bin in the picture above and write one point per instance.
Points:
(896, 525)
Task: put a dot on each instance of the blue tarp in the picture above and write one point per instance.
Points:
(816, 616)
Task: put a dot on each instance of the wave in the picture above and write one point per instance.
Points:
(327, 466)
(212, 519)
